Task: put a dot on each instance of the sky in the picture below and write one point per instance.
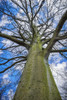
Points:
(9, 80)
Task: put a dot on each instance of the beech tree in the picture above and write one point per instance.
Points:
(39, 28)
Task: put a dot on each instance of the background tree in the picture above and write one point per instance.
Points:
(37, 28)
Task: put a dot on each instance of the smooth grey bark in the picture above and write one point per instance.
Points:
(37, 82)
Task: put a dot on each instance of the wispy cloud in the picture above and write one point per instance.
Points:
(4, 21)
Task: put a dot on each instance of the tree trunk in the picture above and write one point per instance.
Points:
(36, 82)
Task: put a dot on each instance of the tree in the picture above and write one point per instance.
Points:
(31, 28)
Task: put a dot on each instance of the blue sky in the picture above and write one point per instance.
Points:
(13, 76)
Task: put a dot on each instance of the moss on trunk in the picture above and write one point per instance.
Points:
(37, 82)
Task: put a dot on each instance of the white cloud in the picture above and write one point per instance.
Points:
(59, 72)
(55, 58)
(5, 81)
(7, 32)
(59, 68)
(20, 67)
(1, 51)
(5, 76)
(4, 21)
(60, 77)
(21, 11)
(19, 15)
(10, 94)
(7, 42)
(45, 45)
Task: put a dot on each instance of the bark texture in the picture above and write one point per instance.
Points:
(37, 82)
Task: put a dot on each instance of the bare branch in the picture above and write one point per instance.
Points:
(12, 59)
(58, 28)
(56, 39)
(12, 65)
(39, 9)
(14, 40)
(61, 50)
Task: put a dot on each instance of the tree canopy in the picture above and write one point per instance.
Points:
(22, 21)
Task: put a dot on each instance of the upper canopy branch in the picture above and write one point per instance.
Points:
(58, 28)
(38, 9)
(56, 39)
